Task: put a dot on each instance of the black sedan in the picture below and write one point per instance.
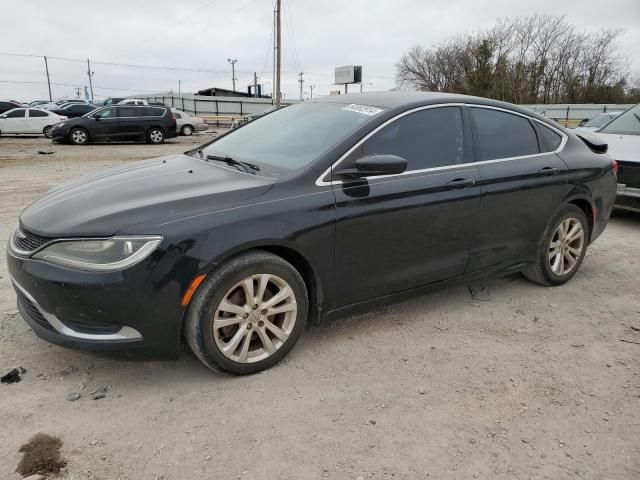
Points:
(317, 209)
(73, 110)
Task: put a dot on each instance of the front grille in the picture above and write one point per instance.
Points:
(27, 241)
(27, 307)
(629, 174)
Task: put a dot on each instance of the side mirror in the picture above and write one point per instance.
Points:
(96, 118)
(375, 165)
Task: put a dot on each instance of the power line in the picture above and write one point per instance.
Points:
(293, 50)
(19, 82)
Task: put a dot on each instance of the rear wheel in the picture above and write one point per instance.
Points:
(79, 136)
(562, 249)
(248, 315)
(155, 135)
(187, 130)
(47, 131)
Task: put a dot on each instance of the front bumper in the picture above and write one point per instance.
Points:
(121, 312)
(59, 133)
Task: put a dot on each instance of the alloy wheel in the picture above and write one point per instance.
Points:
(79, 137)
(567, 244)
(155, 136)
(255, 318)
(47, 131)
(187, 130)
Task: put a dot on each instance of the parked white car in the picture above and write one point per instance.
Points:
(622, 134)
(29, 121)
(598, 121)
(132, 101)
(186, 124)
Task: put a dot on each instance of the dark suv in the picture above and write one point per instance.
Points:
(122, 122)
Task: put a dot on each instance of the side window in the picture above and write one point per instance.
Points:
(503, 135)
(549, 140)
(128, 112)
(37, 113)
(18, 113)
(426, 139)
(106, 113)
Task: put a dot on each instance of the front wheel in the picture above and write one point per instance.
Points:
(248, 315)
(78, 136)
(47, 131)
(155, 135)
(562, 249)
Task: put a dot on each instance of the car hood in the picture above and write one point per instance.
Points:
(622, 147)
(169, 187)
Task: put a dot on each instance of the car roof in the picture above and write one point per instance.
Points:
(407, 100)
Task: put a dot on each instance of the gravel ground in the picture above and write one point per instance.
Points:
(526, 382)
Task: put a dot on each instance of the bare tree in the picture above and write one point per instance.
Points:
(536, 59)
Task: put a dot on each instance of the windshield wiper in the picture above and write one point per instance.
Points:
(243, 166)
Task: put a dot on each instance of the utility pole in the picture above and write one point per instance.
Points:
(279, 52)
(233, 71)
(90, 73)
(311, 87)
(46, 66)
(255, 84)
(273, 77)
(301, 82)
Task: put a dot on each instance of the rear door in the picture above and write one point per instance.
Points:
(402, 231)
(132, 121)
(523, 181)
(14, 121)
(37, 120)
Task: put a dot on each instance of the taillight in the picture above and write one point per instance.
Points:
(173, 120)
(614, 164)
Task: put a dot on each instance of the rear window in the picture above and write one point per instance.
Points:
(627, 123)
(503, 135)
(549, 140)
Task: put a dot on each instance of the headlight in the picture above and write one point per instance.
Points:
(116, 253)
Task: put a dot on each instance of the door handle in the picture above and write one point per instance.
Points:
(461, 183)
(549, 171)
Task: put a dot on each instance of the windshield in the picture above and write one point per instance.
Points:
(292, 137)
(598, 121)
(627, 122)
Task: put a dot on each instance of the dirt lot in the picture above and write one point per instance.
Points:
(531, 382)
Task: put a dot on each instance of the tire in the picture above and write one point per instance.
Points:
(187, 130)
(557, 268)
(47, 131)
(155, 135)
(79, 136)
(233, 341)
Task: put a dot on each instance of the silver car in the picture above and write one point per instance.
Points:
(186, 124)
(598, 121)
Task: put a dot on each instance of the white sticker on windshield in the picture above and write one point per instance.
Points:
(363, 109)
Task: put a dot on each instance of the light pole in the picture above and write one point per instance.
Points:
(233, 71)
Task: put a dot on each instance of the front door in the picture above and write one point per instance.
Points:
(523, 181)
(105, 123)
(398, 232)
(14, 121)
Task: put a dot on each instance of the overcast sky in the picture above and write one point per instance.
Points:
(201, 34)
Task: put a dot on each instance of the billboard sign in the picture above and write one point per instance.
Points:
(348, 74)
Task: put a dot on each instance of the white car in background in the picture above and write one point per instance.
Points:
(186, 124)
(132, 101)
(622, 134)
(29, 121)
(598, 121)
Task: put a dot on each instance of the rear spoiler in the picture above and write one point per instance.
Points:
(593, 141)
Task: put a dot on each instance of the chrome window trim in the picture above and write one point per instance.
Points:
(321, 183)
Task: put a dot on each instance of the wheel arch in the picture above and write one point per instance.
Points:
(587, 207)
